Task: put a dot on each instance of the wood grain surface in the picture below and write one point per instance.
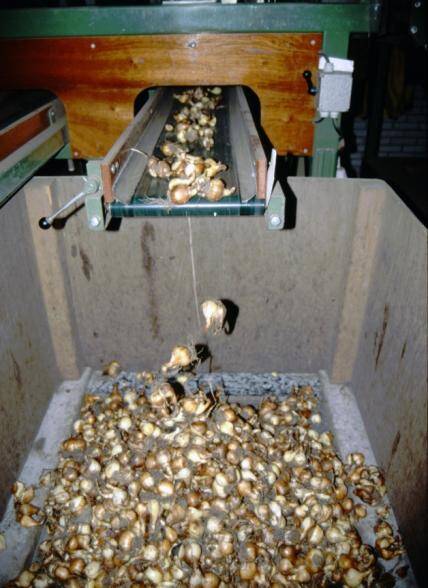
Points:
(22, 131)
(98, 78)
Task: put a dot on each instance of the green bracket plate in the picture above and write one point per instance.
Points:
(275, 211)
(96, 213)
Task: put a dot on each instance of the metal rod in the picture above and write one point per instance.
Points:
(46, 221)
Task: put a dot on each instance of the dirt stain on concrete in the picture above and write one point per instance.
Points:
(382, 334)
(16, 371)
(148, 237)
(394, 448)
(87, 267)
(39, 445)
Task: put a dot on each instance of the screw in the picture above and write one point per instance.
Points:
(274, 220)
(313, 42)
(76, 153)
(91, 186)
(305, 150)
(93, 45)
(414, 30)
(52, 116)
(94, 221)
(192, 44)
(418, 4)
(113, 168)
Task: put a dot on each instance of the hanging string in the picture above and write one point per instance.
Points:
(192, 259)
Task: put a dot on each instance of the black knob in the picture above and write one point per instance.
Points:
(308, 78)
(44, 223)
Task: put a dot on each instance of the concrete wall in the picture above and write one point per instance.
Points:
(130, 294)
(389, 375)
(344, 291)
(28, 370)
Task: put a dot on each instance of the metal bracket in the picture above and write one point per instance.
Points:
(275, 211)
(96, 213)
(91, 187)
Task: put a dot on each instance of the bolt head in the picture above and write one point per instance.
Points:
(113, 168)
(414, 30)
(94, 221)
(92, 186)
(274, 220)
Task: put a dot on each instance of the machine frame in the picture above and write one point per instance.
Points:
(335, 22)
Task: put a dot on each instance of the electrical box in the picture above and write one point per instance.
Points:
(335, 86)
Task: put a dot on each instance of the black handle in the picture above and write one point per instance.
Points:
(44, 223)
(308, 78)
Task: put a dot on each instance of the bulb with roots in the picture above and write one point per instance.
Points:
(214, 312)
(182, 357)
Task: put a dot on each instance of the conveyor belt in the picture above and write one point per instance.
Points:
(236, 144)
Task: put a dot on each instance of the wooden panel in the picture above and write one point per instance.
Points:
(22, 131)
(98, 78)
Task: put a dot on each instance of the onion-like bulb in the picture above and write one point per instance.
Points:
(214, 312)
(353, 578)
(247, 570)
(169, 149)
(191, 553)
(179, 194)
(210, 580)
(154, 575)
(181, 357)
(215, 191)
(125, 540)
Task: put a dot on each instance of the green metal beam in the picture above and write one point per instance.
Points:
(15, 177)
(149, 20)
(326, 138)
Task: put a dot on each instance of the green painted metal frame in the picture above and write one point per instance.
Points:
(326, 138)
(22, 163)
(15, 177)
(161, 19)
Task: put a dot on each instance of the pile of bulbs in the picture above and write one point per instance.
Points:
(191, 175)
(159, 487)
(157, 490)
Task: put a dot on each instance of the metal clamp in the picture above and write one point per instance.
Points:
(275, 210)
(91, 187)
